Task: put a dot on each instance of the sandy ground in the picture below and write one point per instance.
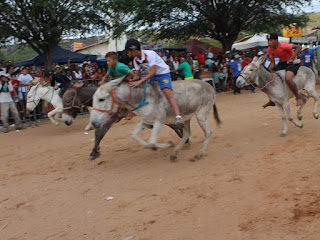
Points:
(251, 184)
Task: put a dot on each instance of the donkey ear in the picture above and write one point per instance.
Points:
(262, 59)
(114, 83)
(255, 59)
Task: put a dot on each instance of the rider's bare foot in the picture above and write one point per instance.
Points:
(299, 101)
(268, 104)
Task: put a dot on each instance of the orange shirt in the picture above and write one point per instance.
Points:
(284, 51)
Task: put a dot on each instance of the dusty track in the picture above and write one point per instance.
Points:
(251, 184)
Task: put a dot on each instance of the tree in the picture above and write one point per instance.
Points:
(222, 20)
(41, 24)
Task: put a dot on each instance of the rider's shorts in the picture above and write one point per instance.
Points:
(292, 68)
(163, 79)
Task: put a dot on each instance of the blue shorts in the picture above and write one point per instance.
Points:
(163, 79)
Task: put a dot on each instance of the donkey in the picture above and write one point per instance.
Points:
(274, 85)
(74, 98)
(195, 97)
(47, 93)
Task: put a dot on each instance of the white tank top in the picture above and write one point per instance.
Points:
(78, 75)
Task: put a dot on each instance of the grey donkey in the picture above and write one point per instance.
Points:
(194, 97)
(274, 85)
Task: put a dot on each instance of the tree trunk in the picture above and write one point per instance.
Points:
(47, 58)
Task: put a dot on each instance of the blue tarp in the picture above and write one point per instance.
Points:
(59, 56)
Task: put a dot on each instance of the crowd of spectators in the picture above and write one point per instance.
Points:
(219, 70)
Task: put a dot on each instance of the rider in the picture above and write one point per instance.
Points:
(158, 71)
(286, 54)
(57, 76)
(117, 69)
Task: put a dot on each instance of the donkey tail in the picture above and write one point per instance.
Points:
(216, 115)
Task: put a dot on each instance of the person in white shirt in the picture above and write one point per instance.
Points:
(24, 80)
(7, 103)
(158, 71)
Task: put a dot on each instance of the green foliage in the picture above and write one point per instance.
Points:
(222, 20)
(41, 24)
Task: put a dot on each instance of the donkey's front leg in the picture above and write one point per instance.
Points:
(286, 106)
(153, 144)
(136, 131)
(284, 120)
(52, 113)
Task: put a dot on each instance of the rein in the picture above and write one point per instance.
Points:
(115, 100)
(73, 100)
(268, 83)
(35, 93)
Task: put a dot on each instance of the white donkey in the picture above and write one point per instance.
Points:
(195, 97)
(275, 86)
(48, 93)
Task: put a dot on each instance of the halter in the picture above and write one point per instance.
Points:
(35, 93)
(247, 80)
(115, 100)
(73, 100)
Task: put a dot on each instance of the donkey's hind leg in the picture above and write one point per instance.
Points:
(286, 106)
(202, 117)
(136, 131)
(186, 134)
(305, 99)
(312, 93)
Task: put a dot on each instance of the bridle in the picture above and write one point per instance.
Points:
(268, 83)
(35, 93)
(115, 101)
(73, 101)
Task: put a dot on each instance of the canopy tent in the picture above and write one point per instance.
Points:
(195, 45)
(256, 40)
(59, 56)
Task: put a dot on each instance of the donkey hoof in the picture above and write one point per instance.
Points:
(300, 118)
(56, 123)
(93, 156)
(301, 125)
(170, 144)
(173, 158)
(283, 134)
(198, 156)
(152, 146)
(316, 116)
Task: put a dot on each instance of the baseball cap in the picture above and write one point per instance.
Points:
(261, 53)
(2, 73)
(272, 36)
(47, 73)
(236, 56)
(133, 44)
(57, 66)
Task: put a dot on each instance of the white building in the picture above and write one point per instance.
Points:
(102, 47)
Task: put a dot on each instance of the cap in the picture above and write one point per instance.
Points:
(210, 55)
(227, 52)
(47, 73)
(2, 73)
(261, 53)
(133, 44)
(57, 66)
(236, 56)
(272, 36)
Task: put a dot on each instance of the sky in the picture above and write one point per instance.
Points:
(314, 7)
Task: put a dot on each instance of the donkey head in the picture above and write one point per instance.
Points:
(250, 72)
(71, 104)
(103, 103)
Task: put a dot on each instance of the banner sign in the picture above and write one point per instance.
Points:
(151, 46)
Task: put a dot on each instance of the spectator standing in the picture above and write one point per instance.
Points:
(186, 69)
(24, 80)
(77, 73)
(235, 72)
(201, 57)
(4, 66)
(7, 103)
(307, 58)
(175, 64)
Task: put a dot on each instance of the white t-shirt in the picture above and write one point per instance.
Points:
(78, 75)
(24, 79)
(6, 96)
(150, 58)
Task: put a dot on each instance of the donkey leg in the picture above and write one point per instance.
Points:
(202, 117)
(136, 131)
(287, 108)
(186, 134)
(51, 114)
(89, 126)
(153, 144)
(284, 120)
(315, 96)
(305, 99)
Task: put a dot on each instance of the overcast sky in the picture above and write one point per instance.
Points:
(314, 7)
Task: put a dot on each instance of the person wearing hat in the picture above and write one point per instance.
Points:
(287, 53)
(235, 72)
(57, 77)
(158, 71)
(307, 57)
(7, 103)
